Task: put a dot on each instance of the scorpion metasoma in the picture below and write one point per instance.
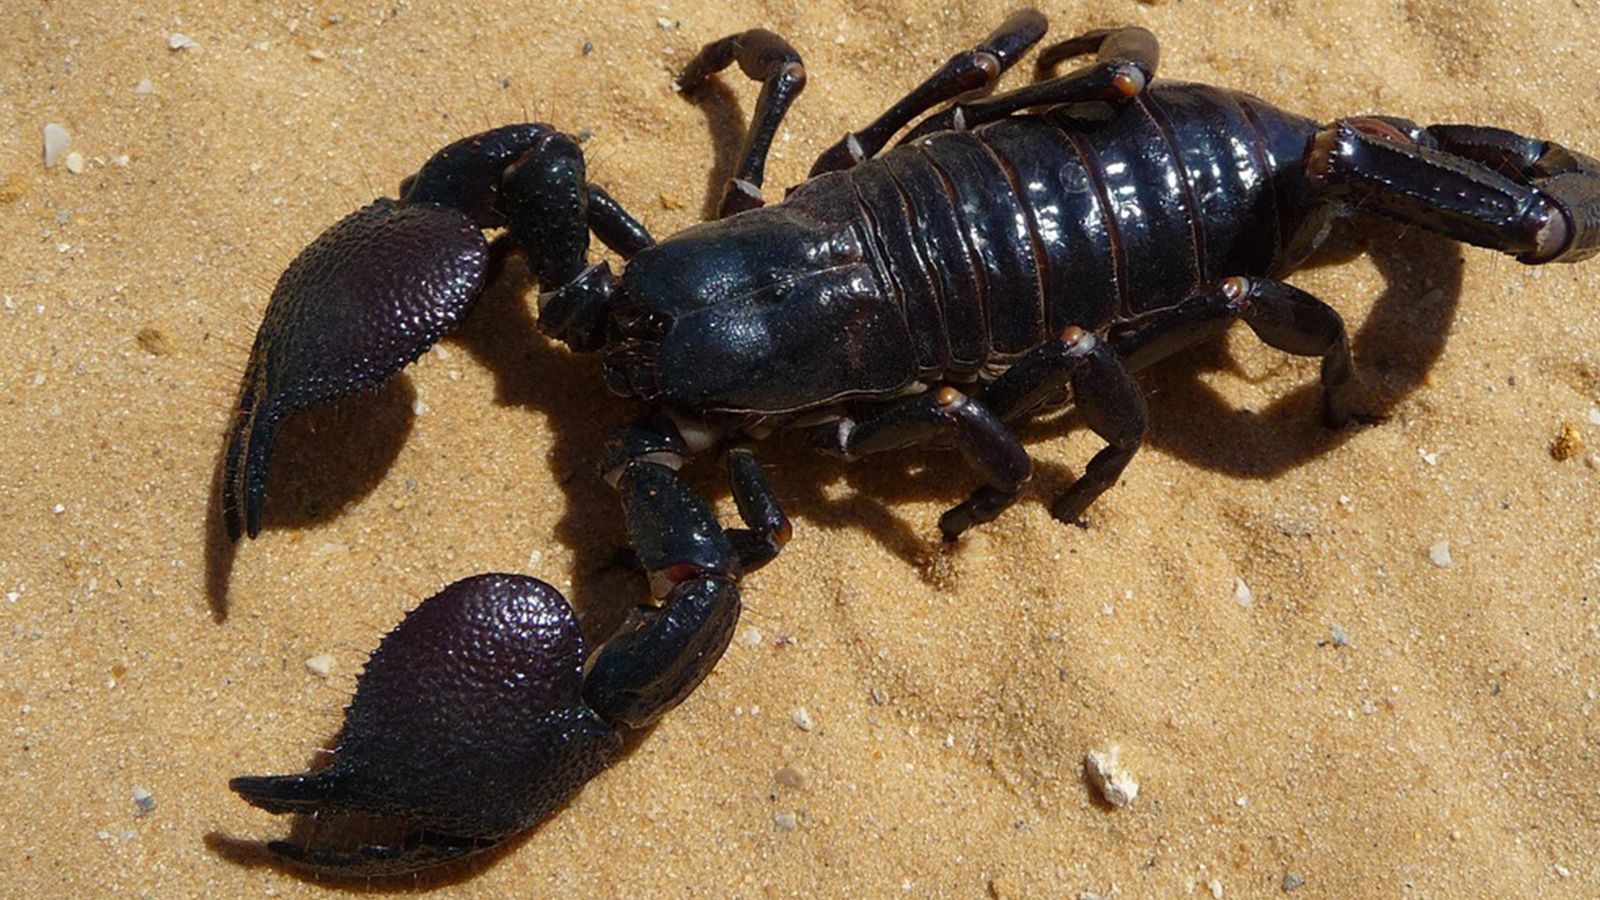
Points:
(1013, 252)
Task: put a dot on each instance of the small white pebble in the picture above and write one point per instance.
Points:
(317, 54)
(320, 665)
(785, 822)
(56, 140)
(1242, 594)
(1115, 783)
(1563, 871)
(1241, 802)
(13, 596)
(75, 163)
(1431, 459)
(839, 39)
(749, 636)
(418, 408)
(1341, 638)
(58, 509)
(121, 160)
(1439, 555)
(1215, 886)
(144, 802)
(180, 41)
(663, 22)
(260, 46)
(144, 87)
(801, 717)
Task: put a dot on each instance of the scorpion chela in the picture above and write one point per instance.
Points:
(1014, 251)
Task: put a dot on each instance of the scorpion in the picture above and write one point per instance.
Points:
(1014, 251)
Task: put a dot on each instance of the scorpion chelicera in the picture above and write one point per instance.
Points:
(1033, 246)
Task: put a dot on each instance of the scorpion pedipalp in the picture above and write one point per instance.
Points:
(468, 725)
(381, 286)
(366, 298)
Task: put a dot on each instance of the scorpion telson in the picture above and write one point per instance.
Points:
(1011, 253)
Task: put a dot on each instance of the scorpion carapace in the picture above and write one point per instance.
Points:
(1009, 254)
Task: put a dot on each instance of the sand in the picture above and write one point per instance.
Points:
(1369, 723)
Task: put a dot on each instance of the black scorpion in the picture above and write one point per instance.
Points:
(1034, 246)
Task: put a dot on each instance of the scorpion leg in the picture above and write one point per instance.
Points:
(1546, 210)
(967, 71)
(767, 58)
(1126, 63)
(1282, 316)
(1104, 393)
(987, 445)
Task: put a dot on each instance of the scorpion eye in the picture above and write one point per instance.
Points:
(845, 248)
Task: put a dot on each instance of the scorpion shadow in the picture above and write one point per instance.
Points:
(324, 459)
(1394, 347)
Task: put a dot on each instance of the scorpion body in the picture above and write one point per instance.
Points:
(1014, 252)
(963, 251)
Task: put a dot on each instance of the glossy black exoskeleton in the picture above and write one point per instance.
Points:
(1033, 246)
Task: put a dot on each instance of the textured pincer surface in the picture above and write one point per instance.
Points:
(366, 298)
(467, 726)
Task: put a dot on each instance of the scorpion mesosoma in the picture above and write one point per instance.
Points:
(1033, 246)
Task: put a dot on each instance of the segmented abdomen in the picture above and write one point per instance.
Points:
(994, 240)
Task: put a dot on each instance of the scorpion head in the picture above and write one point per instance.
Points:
(771, 311)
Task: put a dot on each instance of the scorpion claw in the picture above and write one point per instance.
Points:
(468, 726)
(366, 298)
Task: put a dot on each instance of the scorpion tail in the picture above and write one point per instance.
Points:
(1489, 187)
(468, 725)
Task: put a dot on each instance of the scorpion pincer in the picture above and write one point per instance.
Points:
(1008, 254)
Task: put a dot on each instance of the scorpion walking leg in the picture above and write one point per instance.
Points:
(1104, 393)
(966, 71)
(1126, 63)
(1283, 317)
(988, 447)
(1546, 210)
(767, 58)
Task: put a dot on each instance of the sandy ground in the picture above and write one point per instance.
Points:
(1369, 722)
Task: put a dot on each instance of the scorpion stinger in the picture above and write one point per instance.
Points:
(1485, 186)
